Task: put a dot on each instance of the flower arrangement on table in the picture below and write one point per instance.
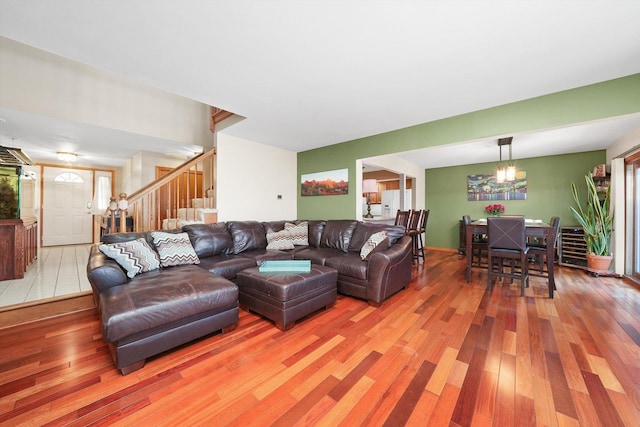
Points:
(494, 210)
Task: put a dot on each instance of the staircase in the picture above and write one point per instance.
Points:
(181, 195)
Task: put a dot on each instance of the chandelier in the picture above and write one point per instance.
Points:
(508, 172)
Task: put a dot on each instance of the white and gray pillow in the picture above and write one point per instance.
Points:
(135, 256)
(174, 249)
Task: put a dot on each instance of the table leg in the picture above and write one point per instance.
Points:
(469, 237)
(551, 259)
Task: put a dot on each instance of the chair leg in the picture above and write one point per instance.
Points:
(489, 270)
(524, 271)
(421, 244)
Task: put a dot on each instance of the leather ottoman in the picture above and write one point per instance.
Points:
(286, 297)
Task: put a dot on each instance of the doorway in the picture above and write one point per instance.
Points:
(66, 206)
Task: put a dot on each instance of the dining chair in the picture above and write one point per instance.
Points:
(402, 218)
(538, 250)
(507, 240)
(478, 244)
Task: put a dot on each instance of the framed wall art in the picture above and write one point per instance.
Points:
(329, 183)
(481, 188)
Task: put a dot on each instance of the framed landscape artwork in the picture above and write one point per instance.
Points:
(329, 183)
(482, 188)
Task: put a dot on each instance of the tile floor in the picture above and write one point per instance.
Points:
(58, 271)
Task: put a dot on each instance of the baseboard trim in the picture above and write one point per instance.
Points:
(431, 248)
(44, 309)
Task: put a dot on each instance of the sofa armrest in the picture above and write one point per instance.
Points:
(103, 272)
(389, 270)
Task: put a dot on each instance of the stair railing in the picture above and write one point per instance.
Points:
(164, 198)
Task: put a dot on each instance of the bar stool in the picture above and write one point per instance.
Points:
(402, 218)
(412, 231)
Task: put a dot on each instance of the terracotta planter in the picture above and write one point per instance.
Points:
(599, 262)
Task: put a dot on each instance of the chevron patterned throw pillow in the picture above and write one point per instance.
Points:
(135, 256)
(299, 232)
(376, 242)
(174, 249)
(279, 240)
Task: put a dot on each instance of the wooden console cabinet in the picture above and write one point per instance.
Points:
(18, 247)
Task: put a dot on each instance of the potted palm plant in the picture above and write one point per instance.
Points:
(596, 219)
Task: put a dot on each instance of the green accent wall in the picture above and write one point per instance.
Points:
(598, 101)
(548, 193)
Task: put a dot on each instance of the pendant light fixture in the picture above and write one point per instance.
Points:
(508, 172)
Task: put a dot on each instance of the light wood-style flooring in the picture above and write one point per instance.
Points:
(57, 272)
(441, 353)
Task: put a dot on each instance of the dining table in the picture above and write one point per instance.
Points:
(533, 228)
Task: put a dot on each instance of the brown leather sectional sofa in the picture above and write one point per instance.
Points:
(161, 309)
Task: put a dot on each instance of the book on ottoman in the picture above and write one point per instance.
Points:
(289, 266)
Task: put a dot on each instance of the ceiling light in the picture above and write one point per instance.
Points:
(67, 157)
(505, 173)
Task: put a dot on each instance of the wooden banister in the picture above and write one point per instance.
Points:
(164, 197)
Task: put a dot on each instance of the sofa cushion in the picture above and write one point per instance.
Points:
(315, 232)
(174, 249)
(280, 240)
(135, 256)
(161, 297)
(349, 265)
(226, 266)
(337, 234)
(364, 230)
(317, 255)
(247, 235)
(273, 226)
(260, 255)
(299, 232)
(210, 239)
(377, 242)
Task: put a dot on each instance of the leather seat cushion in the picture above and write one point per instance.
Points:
(363, 231)
(226, 266)
(161, 297)
(349, 265)
(317, 255)
(260, 255)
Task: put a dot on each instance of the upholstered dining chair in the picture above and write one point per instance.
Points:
(507, 240)
(402, 218)
(478, 244)
(539, 250)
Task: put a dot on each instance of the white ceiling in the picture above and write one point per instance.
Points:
(306, 74)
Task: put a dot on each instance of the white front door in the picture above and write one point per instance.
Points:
(66, 206)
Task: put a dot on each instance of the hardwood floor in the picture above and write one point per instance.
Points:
(440, 353)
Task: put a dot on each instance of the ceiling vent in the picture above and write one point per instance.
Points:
(13, 157)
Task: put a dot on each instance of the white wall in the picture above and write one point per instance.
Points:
(250, 177)
(626, 145)
(36, 81)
